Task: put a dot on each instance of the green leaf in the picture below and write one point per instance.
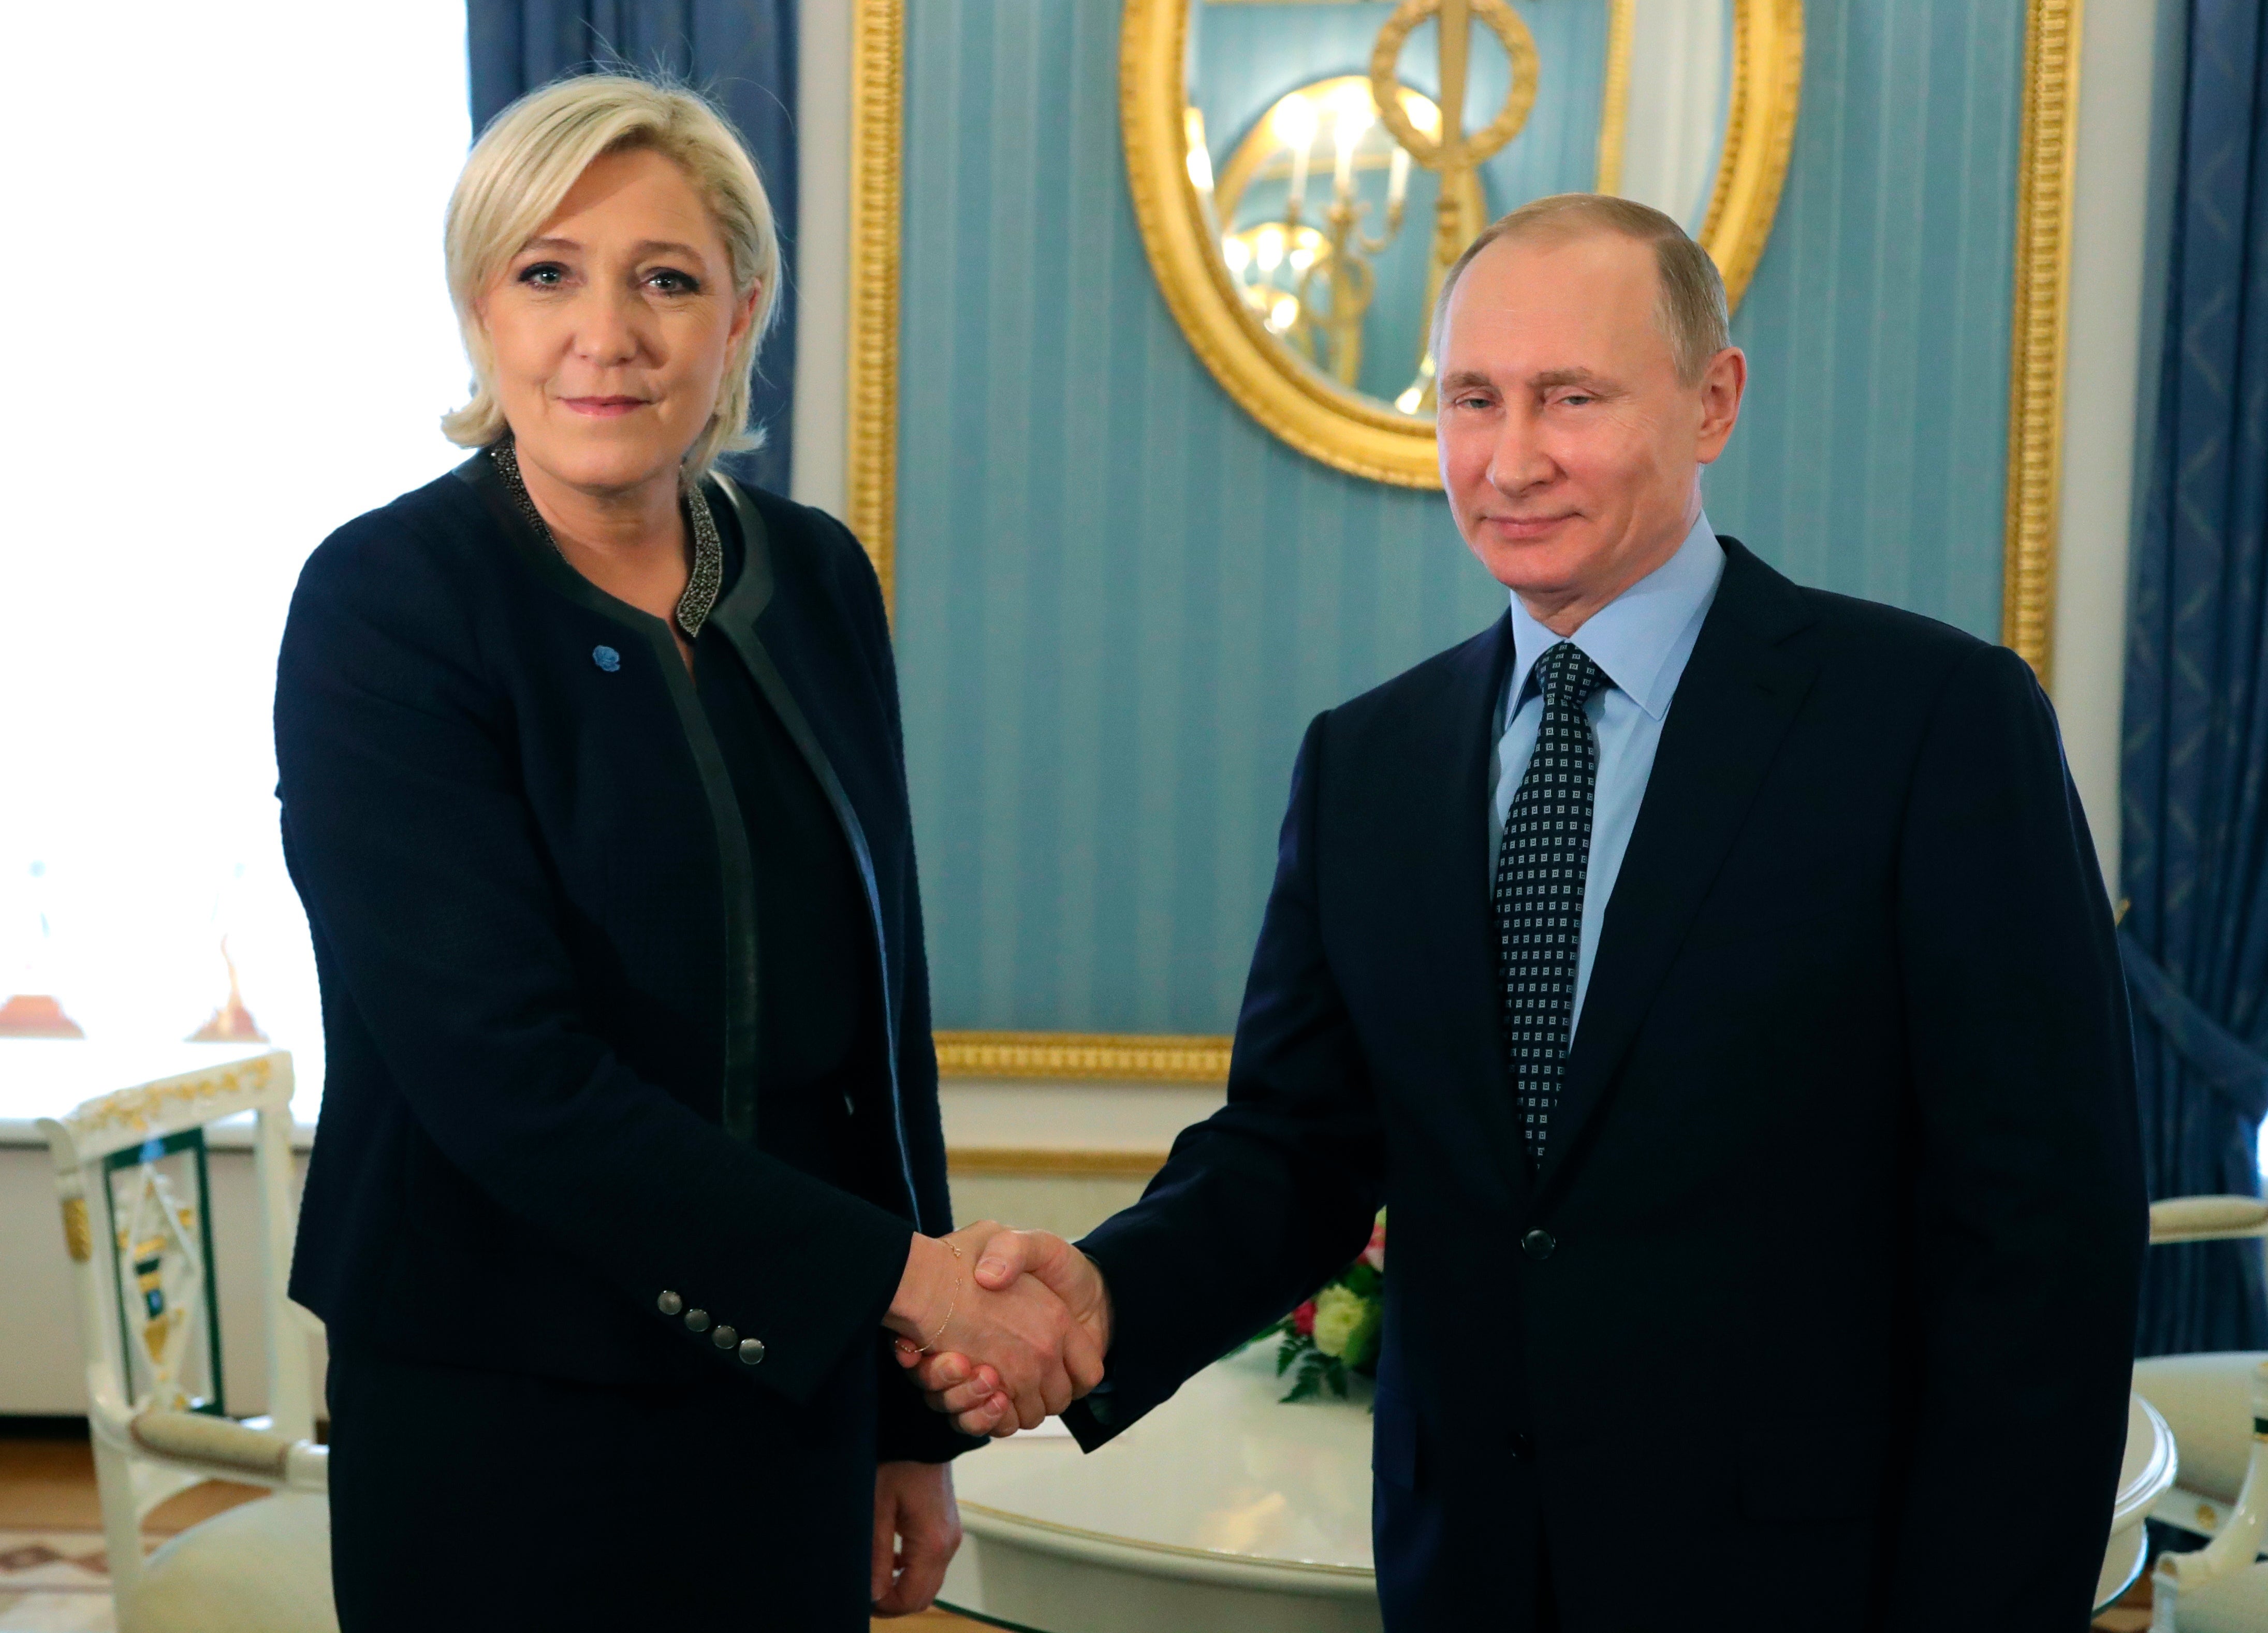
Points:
(1303, 1390)
(1362, 1343)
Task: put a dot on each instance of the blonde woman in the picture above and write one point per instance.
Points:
(629, 1172)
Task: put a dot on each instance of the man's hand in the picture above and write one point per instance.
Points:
(916, 1533)
(1036, 1355)
(962, 1383)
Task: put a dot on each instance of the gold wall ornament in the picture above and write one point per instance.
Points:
(1614, 121)
(878, 96)
(1051, 1162)
(1767, 86)
(1306, 405)
(1447, 150)
(1154, 1057)
(2036, 351)
(79, 1232)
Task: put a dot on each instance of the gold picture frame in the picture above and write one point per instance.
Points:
(1082, 1056)
(2037, 342)
(1321, 420)
(877, 121)
(2043, 264)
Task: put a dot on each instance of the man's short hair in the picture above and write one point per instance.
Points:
(1691, 305)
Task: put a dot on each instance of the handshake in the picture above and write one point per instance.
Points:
(1002, 1329)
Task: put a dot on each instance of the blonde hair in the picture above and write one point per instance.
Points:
(1691, 307)
(526, 161)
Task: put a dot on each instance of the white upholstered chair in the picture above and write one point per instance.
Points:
(131, 1173)
(2217, 1406)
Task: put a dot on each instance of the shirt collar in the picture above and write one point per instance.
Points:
(1630, 636)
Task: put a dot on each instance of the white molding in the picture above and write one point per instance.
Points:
(1036, 1113)
(2104, 422)
(822, 410)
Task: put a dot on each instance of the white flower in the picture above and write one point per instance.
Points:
(1339, 1315)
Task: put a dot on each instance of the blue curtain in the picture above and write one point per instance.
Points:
(741, 52)
(2196, 751)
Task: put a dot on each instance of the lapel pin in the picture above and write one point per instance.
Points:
(607, 659)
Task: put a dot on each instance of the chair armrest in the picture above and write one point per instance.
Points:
(226, 1449)
(2206, 1218)
(307, 1467)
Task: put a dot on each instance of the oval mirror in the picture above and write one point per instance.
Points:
(1299, 201)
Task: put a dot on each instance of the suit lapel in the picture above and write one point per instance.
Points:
(1732, 707)
(738, 616)
(1441, 838)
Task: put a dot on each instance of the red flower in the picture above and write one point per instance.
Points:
(1375, 1256)
(1303, 1319)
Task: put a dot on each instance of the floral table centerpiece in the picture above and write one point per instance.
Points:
(1336, 1332)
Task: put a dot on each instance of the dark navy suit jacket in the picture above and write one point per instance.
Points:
(532, 899)
(1842, 1219)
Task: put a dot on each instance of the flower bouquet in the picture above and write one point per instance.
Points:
(1336, 1332)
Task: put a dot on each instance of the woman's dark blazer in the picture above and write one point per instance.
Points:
(534, 912)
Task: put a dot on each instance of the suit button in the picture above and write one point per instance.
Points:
(697, 1321)
(752, 1351)
(723, 1337)
(1538, 1243)
(669, 1304)
(1522, 1448)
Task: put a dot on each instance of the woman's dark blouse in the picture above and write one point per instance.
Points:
(597, 976)
(815, 964)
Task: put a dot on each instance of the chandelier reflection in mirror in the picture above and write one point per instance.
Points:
(1313, 205)
(1306, 171)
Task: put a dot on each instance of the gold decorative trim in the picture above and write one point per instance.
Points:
(79, 1232)
(1151, 1057)
(2036, 352)
(1042, 1162)
(1759, 137)
(1613, 113)
(878, 88)
(138, 1109)
(1297, 403)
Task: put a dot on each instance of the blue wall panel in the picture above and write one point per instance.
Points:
(1872, 452)
(1119, 599)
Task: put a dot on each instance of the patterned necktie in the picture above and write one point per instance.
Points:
(1539, 889)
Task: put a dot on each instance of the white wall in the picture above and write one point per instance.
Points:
(226, 273)
(2104, 450)
(821, 422)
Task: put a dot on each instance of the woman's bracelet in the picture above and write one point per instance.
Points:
(951, 1304)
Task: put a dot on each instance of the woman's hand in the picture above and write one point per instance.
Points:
(971, 1392)
(916, 1533)
(1042, 1357)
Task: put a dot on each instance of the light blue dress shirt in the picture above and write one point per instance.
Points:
(1641, 639)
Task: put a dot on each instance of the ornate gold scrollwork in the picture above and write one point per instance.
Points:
(78, 1231)
(1435, 153)
(1304, 405)
(2036, 363)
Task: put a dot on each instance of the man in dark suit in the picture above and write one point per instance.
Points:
(1715, 978)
